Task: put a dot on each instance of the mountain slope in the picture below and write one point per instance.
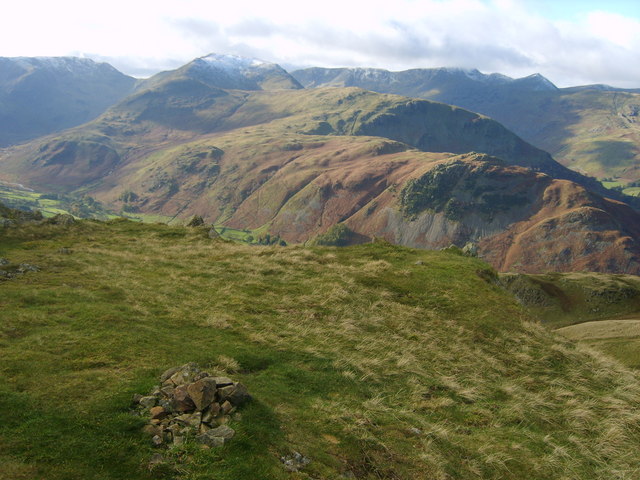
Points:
(231, 72)
(42, 95)
(374, 361)
(294, 163)
(592, 129)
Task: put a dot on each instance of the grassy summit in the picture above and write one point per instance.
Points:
(374, 361)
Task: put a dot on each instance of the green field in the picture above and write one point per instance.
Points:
(374, 361)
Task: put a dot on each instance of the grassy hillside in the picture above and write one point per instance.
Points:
(374, 361)
(592, 129)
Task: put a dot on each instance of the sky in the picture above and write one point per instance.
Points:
(571, 42)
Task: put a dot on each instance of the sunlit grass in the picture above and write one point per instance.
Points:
(360, 358)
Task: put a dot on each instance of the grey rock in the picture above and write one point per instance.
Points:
(236, 394)
(148, 402)
(167, 392)
(210, 413)
(470, 249)
(186, 374)
(168, 373)
(4, 261)
(226, 407)
(210, 441)
(223, 431)
(157, 440)
(295, 462)
(216, 436)
(189, 419)
(223, 381)
(181, 401)
(27, 267)
(240, 395)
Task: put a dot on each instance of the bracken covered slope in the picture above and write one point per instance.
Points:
(295, 163)
(593, 129)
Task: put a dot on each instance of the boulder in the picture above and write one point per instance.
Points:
(216, 436)
(202, 392)
(181, 401)
(236, 394)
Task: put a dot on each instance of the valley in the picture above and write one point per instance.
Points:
(407, 289)
(273, 158)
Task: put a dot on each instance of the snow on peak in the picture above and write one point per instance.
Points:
(231, 63)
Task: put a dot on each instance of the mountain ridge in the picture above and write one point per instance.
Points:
(42, 95)
(591, 129)
(295, 162)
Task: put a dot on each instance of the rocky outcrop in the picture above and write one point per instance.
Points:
(190, 404)
(9, 270)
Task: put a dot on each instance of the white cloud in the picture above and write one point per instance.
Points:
(142, 36)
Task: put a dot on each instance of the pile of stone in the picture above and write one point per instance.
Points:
(190, 403)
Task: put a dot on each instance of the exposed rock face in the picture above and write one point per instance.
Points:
(189, 403)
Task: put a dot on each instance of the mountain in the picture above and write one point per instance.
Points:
(295, 163)
(231, 72)
(42, 95)
(593, 129)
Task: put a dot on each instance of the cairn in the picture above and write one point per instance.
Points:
(190, 403)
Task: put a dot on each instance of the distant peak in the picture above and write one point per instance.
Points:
(231, 62)
(541, 83)
(243, 73)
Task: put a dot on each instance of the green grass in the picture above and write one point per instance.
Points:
(367, 361)
(49, 207)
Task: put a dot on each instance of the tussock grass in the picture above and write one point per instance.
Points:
(359, 358)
